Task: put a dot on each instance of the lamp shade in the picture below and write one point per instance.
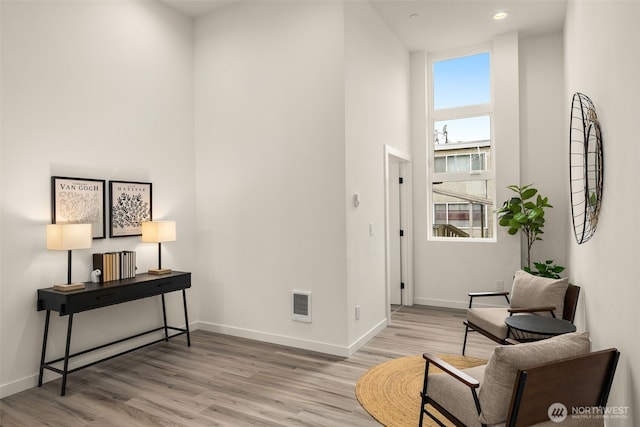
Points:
(64, 237)
(158, 231)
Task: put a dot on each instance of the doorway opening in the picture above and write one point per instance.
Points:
(398, 221)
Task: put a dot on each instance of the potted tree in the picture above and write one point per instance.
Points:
(525, 213)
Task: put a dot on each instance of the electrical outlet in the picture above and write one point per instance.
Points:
(357, 312)
(499, 285)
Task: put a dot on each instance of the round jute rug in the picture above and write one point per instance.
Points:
(390, 391)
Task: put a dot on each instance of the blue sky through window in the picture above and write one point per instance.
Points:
(462, 81)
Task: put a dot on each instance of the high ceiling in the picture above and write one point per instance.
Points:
(435, 25)
(444, 24)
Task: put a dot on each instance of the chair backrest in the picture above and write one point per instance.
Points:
(571, 302)
(576, 382)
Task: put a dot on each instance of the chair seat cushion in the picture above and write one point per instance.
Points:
(455, 396)
(500, 373)
(490, 319)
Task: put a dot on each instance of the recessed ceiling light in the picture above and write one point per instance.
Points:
(500, 15)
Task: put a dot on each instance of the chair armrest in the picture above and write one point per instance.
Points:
(533, 310)
(488, 294)
(473, 295)
(511, 341)
(451, 370)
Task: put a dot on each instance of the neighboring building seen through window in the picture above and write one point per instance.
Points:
(461, 173)
(460, 162)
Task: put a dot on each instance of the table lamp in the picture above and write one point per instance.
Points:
(158, 232)
(66, 237)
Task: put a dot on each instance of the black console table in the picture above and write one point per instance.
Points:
(97, 295)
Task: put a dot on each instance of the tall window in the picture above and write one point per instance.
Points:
(461, 170)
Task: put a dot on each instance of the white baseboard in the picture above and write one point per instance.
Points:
(18, 385)
(321, 347)
(318, 346)
(368, 336)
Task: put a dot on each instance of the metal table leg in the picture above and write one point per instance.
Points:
(186, 317)
(44, 347)
(164, 317)
(65, 370)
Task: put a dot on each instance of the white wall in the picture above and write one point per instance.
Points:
(270, 171)
(377, 114)
(446, 271)
(606, 69)
(543, 139)
(96, 90)
(294, 104)
(265, 182)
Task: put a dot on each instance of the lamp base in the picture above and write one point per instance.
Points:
(68, 287)
(160, 271)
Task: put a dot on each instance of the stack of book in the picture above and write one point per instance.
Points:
(115, 265)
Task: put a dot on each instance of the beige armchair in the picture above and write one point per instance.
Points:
(523, 385)
(529, 294)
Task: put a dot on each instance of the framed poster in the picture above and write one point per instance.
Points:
(129, 207)
(78, 201)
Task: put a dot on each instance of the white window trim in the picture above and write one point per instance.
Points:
(451, 114)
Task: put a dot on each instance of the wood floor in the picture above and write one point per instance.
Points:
(227, 381)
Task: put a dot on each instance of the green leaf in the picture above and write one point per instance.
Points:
(535, 213)
(529, 193)
(520, 217)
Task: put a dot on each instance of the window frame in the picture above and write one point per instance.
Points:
(470, 226)
(482, 156)
(467, 111)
